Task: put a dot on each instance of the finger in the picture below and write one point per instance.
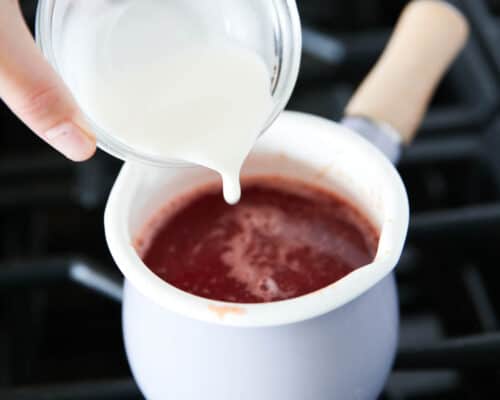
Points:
(34, 92)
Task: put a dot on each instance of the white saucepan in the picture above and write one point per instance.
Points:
(338, 342)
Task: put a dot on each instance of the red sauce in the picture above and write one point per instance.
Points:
(283, 239)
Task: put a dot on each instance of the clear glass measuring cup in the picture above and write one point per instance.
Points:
(270, 28)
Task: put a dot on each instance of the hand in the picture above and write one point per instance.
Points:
(34, 92)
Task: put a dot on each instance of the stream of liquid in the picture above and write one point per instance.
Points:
(158, 78)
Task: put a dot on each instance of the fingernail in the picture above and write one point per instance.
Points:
(71, 141)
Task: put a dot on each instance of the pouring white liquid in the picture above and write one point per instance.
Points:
(162, 82)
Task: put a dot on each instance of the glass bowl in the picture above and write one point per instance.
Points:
(271, 28)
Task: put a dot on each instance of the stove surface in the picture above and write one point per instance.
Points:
(60, 330)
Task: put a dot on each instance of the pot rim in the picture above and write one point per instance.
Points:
(393, 229)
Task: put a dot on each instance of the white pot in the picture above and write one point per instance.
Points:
(336, 343)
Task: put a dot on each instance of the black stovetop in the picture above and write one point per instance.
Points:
(60, 332)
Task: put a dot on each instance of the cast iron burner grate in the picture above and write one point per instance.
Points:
(60, 332)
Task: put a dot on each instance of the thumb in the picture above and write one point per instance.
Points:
(34, 92)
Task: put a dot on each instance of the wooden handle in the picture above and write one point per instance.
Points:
(397, 92)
